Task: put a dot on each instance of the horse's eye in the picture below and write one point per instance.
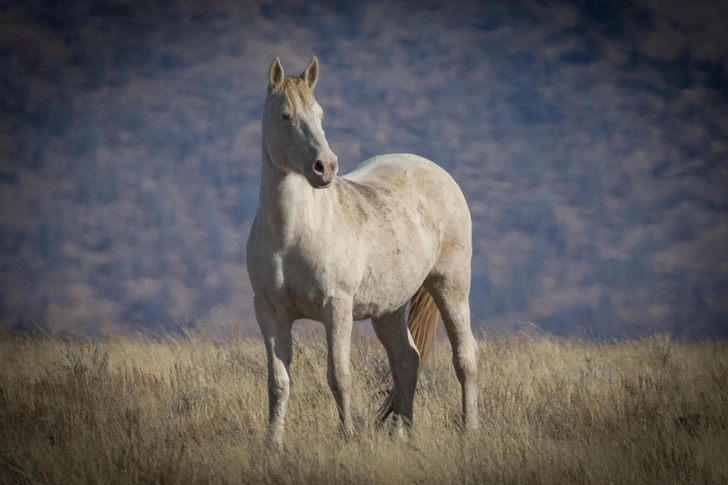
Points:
(286, 115)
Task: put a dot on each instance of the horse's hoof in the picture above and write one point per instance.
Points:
(347, 432)
(400, 434)
(471, 425)
(275, 440)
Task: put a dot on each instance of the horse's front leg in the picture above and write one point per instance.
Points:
(277, 337)
(338, 323)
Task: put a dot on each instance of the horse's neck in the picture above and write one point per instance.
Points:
(286, 204)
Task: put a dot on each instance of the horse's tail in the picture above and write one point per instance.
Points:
(422, 322)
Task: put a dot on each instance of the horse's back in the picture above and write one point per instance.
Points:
(415, 179)
(393, 167)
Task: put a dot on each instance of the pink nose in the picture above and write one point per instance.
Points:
(324, 170)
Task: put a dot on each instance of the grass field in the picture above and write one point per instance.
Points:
(188, 410)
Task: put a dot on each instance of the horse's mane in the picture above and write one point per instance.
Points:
(297, 94)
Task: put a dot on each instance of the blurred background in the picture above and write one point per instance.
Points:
(590, 139)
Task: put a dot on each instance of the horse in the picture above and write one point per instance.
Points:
(393, 233)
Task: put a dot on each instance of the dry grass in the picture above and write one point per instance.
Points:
(186, 410)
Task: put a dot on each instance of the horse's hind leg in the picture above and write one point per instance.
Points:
(404, 361)
(450, 292)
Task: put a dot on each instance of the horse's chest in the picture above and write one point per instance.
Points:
(300, 285)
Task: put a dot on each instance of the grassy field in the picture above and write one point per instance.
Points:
(188, 410)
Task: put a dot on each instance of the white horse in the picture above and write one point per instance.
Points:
(394, 230)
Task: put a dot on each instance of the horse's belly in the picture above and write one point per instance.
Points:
(368, 304)
(384, 291)
(378, 290)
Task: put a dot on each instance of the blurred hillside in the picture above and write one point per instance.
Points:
(590, 139)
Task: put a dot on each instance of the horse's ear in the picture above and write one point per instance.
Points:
(311, 73)
(276, 75)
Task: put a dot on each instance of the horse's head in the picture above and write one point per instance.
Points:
(292, 133)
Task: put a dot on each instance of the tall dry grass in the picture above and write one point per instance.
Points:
(187, 410)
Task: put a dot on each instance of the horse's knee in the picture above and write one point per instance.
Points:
(339, 381)
(465, 360)
(279, 387)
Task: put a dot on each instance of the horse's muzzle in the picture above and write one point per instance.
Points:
(323, 171)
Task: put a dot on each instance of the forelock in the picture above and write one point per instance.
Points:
(296, 93)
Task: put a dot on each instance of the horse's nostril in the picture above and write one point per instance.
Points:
(318, 167)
